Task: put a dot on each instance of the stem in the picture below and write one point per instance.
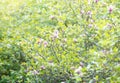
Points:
(54, 53)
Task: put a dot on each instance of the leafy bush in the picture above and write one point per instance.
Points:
(66, 41)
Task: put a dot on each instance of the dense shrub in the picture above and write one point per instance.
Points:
(66, 41)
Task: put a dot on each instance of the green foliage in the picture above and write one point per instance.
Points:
(66, 41)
